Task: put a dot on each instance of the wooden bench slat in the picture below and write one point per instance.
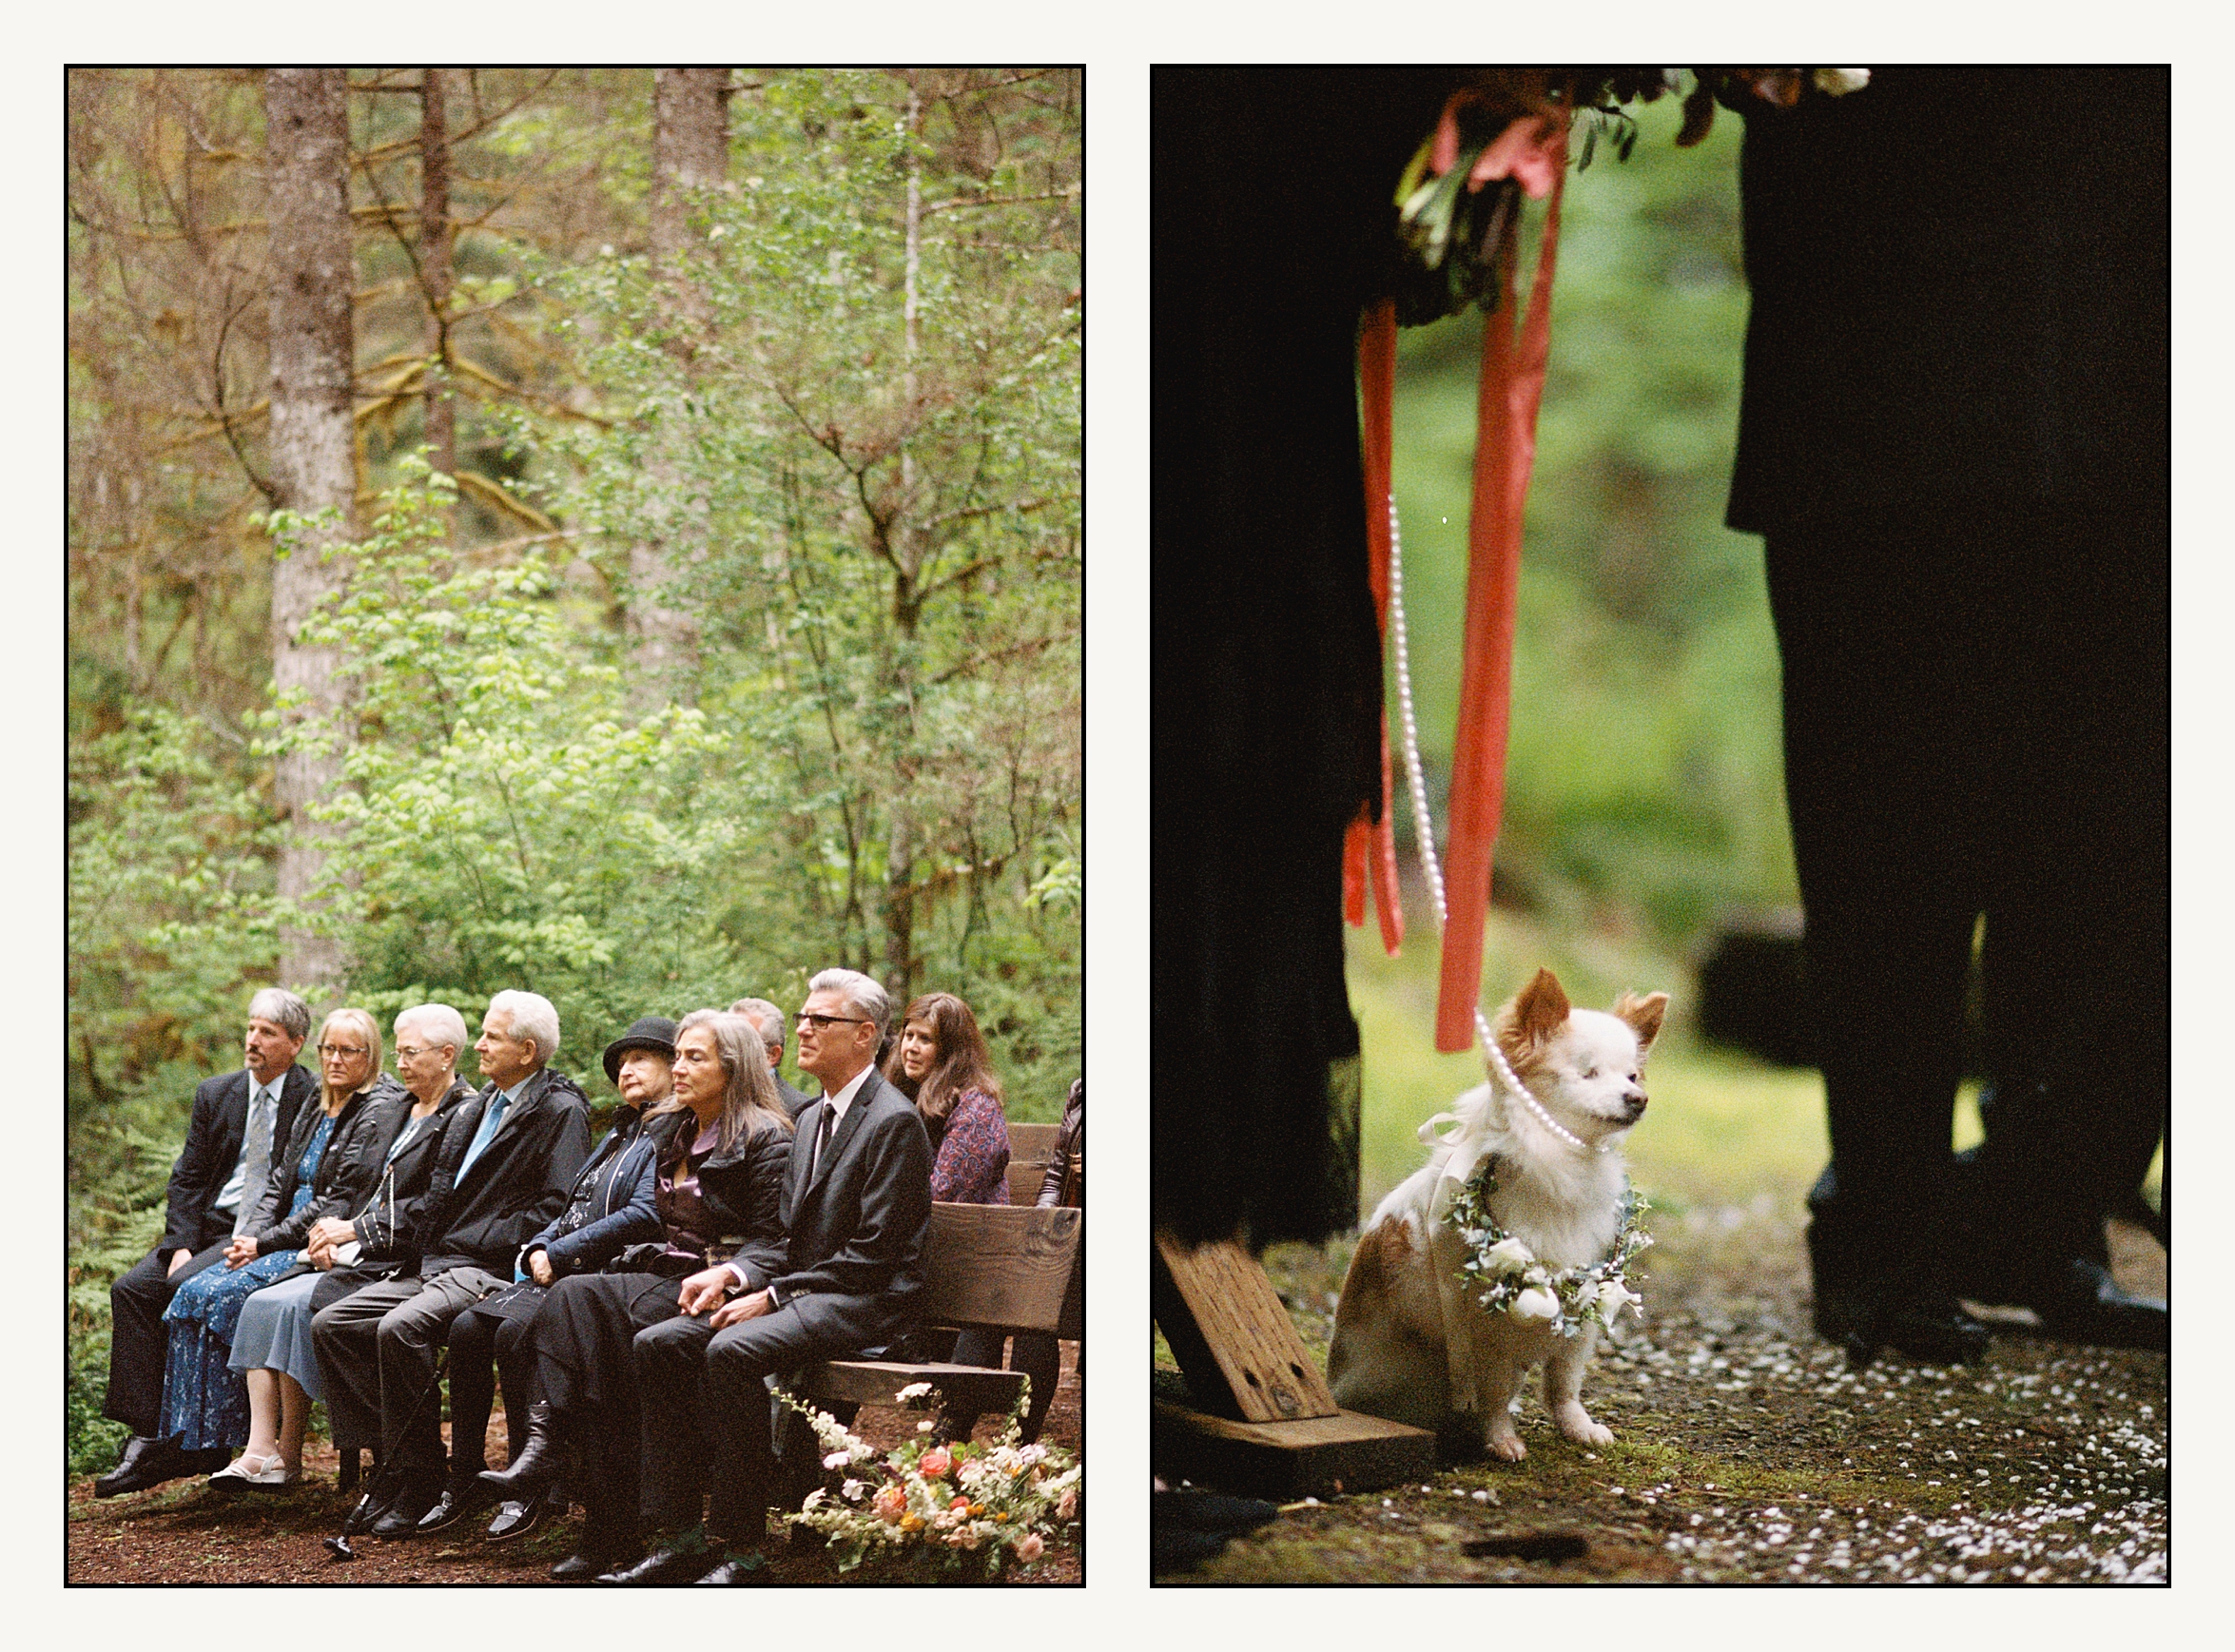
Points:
(874, 1382)
(1031, 1141)
(1008, 1267)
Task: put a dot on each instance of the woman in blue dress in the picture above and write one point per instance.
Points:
(203, 1399)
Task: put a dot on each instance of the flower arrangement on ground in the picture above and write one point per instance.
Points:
(947, 1502)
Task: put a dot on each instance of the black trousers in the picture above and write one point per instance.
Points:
(1976, 722)
(137, 1339)
(581, 1339)
(708, 1416)
(491, 1342)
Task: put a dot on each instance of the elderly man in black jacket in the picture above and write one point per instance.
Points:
(501, 1171)
(857, 1202)
(238, 1130)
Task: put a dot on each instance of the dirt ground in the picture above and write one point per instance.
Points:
(1746, 1451)
(185, 1533)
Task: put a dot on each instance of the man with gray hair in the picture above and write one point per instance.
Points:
(856, 1206)
(767, 1021)
(240, 1123)
(501, 1171)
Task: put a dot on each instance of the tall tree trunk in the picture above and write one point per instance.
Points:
(689, 151)
(901, 847)
(435, 268)
(313, 464)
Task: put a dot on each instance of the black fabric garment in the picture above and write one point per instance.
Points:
(491, 1342)
(518, 1183)
(1273, 220)
(388, 1225)
(138, 1338)
(347, 1173)
(609, 1208)
(845, 1279)
(214, 1133)
(1954, 432)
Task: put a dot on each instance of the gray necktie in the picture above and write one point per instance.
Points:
(258, 1164)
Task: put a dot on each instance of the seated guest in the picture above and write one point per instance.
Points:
(1035, 1352)
(504, 1163)
(241, 1123)
(940, 1063)
(724, 1144)
(609, 1208)
(331, 1159)
(856, 1204)
(271, 1345)
(769, 1021)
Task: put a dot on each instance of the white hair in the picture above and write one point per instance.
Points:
(436, 1021)
(533, 1017)
(281, 1008)
(863, 996)
(767, 1019)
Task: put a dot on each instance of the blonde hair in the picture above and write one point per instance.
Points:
(362, 1020)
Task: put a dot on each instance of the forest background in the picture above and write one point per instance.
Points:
(615, 532)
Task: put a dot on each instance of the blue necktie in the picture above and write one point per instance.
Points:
(489, 1123)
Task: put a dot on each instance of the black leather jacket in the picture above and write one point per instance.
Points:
(1065, 1181)
(609, 1206)
(346, 1172)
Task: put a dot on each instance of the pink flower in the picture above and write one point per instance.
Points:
(889, 1503)
(1029, 1546)
(934, 1463)
(1067, 1505)
(961, 1506)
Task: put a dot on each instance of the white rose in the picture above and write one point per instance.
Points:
(1839, 82)
(1535, 1303)
(1508, 1255)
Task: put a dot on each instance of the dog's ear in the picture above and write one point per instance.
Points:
(1542, 1009)
(1644, 1015)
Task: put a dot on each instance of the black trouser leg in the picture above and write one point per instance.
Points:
(515, 1368)
(138, 1338)
(473, 1391)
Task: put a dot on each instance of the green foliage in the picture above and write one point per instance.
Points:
(1644, 778)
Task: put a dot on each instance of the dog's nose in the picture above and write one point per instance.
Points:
(1635, 1101)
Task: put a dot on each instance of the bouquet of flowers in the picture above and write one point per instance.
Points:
(1508, 1277)
(935, 1500)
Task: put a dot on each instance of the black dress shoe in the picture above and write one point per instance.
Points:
(460, 1498)
(590, 1560)
(514, 1519)
(1927, 1324)
(2082, 1302)
(401, 1518)
(738, 1571)
(143, 1463)
(664, 1564)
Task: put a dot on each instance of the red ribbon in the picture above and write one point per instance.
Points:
(1369, 847)
(1505, 442)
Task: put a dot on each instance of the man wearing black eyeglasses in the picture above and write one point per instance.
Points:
(857, 1202)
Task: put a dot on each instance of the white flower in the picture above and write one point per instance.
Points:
(1839, 82)
(1508, 1255)
(1613, 1298)
(924, 1427)
(913, 1392)
(835, 1460)
(1535, 1303)
(852, 1490)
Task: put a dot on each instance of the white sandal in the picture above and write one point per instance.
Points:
(267, 1471)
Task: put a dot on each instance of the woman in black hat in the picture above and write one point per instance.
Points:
(719, 1193)
(609, 1208)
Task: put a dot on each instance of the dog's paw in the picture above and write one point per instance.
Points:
(1575, 1424)
(1505, 1443)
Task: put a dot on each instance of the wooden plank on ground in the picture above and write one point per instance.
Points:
(874, 1382)
(1309, 1457)
(1234, 1339)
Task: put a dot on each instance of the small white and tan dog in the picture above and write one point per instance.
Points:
(1411, 1341)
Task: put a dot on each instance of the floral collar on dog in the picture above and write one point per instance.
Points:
(1510, 1280)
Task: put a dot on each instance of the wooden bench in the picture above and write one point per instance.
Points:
(992, 1266)
(1030, 1147)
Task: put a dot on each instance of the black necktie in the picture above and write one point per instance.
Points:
(822, 1134)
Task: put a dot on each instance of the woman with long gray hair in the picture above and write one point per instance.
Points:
(726, 1142)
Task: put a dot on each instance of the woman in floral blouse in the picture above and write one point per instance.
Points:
(940, 1063)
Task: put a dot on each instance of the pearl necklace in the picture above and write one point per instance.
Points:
(1502, 1074)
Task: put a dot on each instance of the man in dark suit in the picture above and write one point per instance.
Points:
(769, 1021)
(1954, 440)
(857, 1202)
(502, 1171)
(240, 1122)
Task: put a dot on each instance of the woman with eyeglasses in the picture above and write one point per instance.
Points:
(725, 1142)
(330, 1162)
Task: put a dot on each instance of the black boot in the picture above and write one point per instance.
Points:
(1875, 1290)
(539, 1462)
